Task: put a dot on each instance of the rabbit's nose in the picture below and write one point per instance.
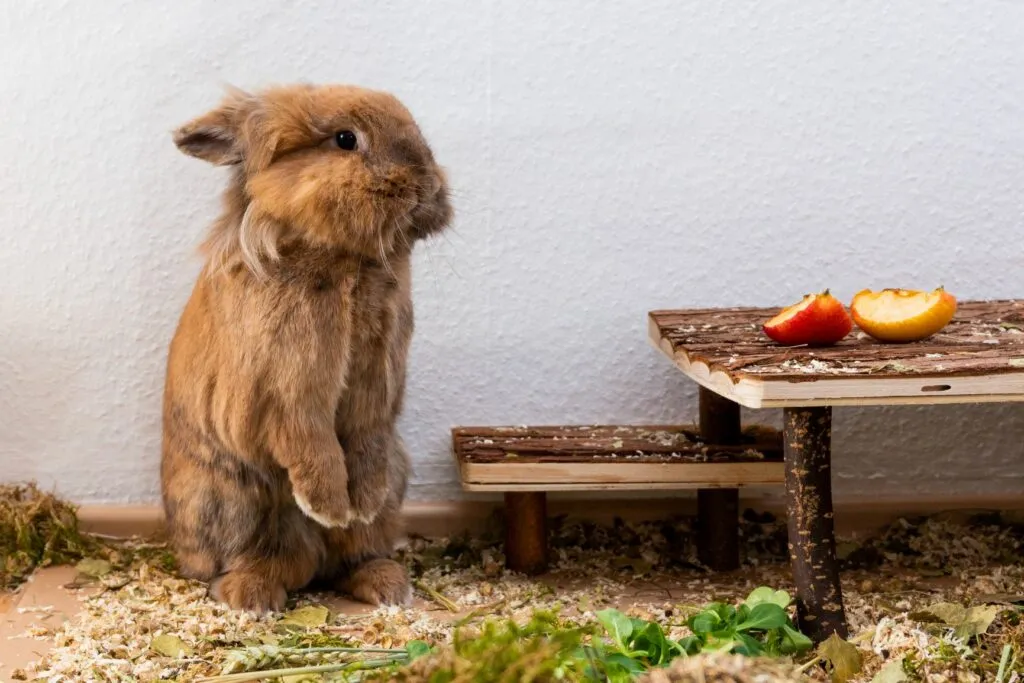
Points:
(432, 185)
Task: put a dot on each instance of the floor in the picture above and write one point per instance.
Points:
(40, 603)
(964, 558)
(49, 599)
(28, 618)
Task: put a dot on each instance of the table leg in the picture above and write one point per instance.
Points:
(526, 532)
(718, 510)
(812, 545)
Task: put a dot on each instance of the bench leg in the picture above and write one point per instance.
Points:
(526, 532)
(718, 510)
(812, 545)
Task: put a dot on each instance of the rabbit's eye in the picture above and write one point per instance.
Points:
(345, 139)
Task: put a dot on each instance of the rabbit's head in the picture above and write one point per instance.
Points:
(335, 166)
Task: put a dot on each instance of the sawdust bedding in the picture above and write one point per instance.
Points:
(146, 624)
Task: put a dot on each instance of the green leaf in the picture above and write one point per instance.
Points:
(618, 626)
(704, 623)
(727, 613)
(748, 646)
(306, 617)
(93, 568)
(742, 613)
(690, 645)
(170, 646)
(625, 663)
(765, 595)
(794, 641)
(891, 673)
(719, 644)
(843, 659)
(1006, 660)
(416, 649)
(637, 627)
(763, 617)
(652, 642)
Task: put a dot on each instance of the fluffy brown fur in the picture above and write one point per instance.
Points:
(281, 461)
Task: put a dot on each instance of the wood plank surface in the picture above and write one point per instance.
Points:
(615, 457)
(623, 476)
(978, 357)
(609, 443)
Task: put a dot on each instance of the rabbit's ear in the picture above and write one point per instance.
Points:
(216, 136)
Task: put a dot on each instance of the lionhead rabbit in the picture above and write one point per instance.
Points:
(281, 462)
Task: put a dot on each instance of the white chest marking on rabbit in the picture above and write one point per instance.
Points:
(325, 522)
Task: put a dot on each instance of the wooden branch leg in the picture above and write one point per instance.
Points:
(526, 533)
(812, 544)
(718, 510)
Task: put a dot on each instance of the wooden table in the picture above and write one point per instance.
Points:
(978, 357)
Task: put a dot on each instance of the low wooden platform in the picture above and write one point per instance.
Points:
(524, 463)
(593, 458)
(979, 357)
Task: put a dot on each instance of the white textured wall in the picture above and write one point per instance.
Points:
(608, 158)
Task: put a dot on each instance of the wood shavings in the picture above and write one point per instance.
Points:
(648, 570)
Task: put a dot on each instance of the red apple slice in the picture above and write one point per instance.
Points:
(818, 320)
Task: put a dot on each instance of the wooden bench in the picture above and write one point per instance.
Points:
(525, 463)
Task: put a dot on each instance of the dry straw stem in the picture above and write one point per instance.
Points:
(266, 657)
(302, 671)
(436, 596)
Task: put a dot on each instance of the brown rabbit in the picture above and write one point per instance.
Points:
(281, 461)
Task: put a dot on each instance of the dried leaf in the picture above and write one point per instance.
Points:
(932, 573)
(948, 613)
(891, 673)
(93, 568)
(846, 548)
(639, 566)
(1002, 598)
(1013, 517)
(843, 658)
(170, 646)
(978, 620)
(115, 581)
(306, 617)
(967, 623)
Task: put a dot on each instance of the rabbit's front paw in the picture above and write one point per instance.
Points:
(326, 508)
(367, 502)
